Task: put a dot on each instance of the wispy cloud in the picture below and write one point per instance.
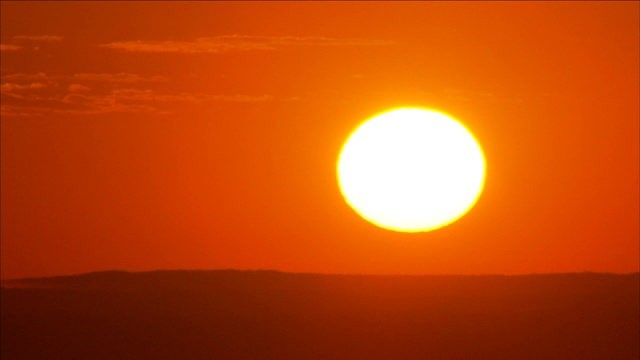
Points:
(6, 47)
(148, 98)
(151, 96)
(25, 38)
(102, 103)
(11, 87)
(78, 88)
(85, 77)
(229, 43)
(118, 78)
(40, 76)
(81, 100)
(9, 110)
(99, 93)
(38, 38)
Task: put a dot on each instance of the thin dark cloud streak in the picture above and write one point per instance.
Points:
(85, 93)
(77, 99)
(118, 78)
(234, 43)
(121, 77)
(22, 39)
(7, 47)
(47, 38)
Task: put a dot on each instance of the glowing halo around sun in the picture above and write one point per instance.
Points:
(411, 170)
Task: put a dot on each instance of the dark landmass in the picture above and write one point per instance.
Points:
(266, 315)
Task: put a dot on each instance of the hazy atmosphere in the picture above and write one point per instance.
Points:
(204, 135)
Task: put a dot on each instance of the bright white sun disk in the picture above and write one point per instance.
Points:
(411, 170)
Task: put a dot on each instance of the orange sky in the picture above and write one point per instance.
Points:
(204, 135)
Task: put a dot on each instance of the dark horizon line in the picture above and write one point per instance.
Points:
(119, 271)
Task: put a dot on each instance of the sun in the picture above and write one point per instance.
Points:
(411, 170)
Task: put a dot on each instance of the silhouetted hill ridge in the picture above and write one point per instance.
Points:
(193, 278)
(232, 314)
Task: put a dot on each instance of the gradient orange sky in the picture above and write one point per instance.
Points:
(204, 135)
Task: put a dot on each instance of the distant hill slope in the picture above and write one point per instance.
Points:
(231, 314)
